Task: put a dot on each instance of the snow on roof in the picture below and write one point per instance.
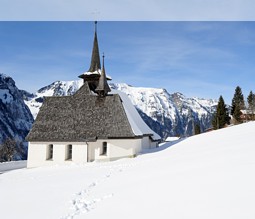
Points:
(172, 138)
(246, 111)
(138, 126)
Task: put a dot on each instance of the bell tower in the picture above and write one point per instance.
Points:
(93, 74)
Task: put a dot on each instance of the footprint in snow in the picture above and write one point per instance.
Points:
(83, 202)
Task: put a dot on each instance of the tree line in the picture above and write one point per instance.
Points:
(240, 110)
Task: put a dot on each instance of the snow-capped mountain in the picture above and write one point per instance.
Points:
(15, 117)
(194, 111)
(167, 114)
(58, 88)
(176, 113)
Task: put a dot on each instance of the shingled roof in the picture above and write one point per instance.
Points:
(81, 117)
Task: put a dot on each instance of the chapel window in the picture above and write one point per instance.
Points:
(50, 152)
(69, 152)
(104, 148)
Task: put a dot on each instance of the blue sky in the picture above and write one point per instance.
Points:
(204, 59)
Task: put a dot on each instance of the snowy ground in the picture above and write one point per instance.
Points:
(207, 176)
(8, 166)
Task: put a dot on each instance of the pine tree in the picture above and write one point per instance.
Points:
(8, 150)
(251, 104)
(221, 117)
(237, 104)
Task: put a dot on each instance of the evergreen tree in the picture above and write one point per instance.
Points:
(237, 104)
(251, 104)
(237, 114)
(8, 150)
(221, 117)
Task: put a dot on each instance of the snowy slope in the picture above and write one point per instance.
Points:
(167, 114)
(206, 176)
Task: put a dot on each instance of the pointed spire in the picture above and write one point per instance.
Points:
(103, 87)
(95, 58)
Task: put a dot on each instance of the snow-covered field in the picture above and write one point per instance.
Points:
(7, 166)
(207, 176)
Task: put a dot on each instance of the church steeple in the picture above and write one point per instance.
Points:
(95, 64)
(93, 74)
(103, 87)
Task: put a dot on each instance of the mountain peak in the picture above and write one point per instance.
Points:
(5, 79)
